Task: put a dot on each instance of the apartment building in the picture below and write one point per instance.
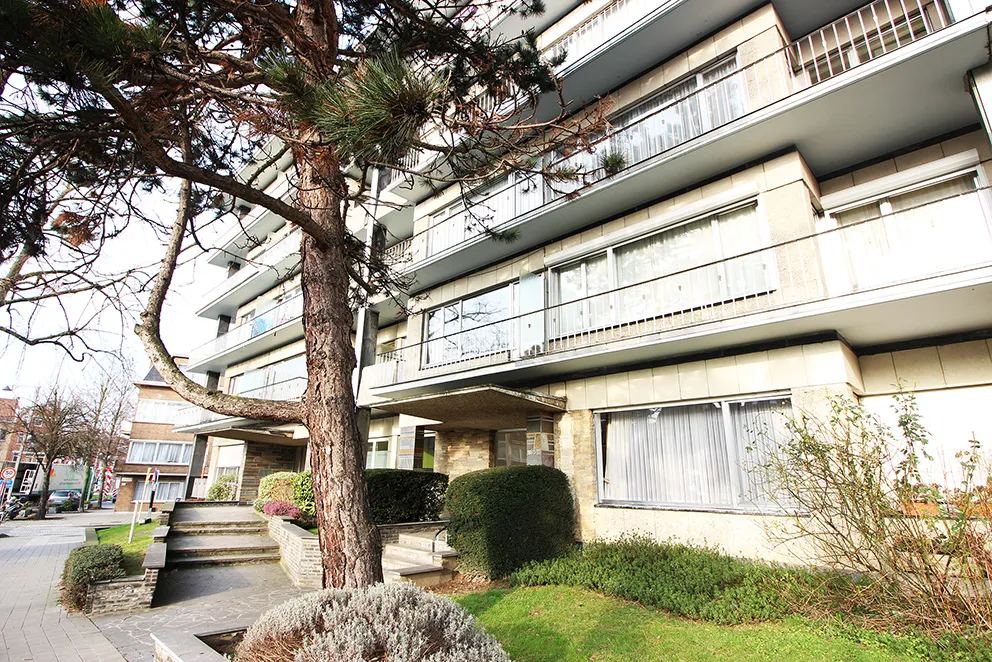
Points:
(803, 212)
(155, 446)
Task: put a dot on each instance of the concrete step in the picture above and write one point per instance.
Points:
(217, 528)
(222, 559)
(417, 555)
(425, 541)
(247, 550)
(424, 575)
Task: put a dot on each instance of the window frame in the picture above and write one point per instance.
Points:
(552, 296)
(173, 405)
(513, 287)
(158, 443)
(730, 440)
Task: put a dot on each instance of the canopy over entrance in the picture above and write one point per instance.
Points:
(478, 407)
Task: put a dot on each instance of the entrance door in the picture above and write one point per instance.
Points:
(511, 448)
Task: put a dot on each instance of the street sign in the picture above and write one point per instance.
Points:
(8, 473)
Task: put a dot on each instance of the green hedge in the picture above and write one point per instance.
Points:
(274, 487)
(505, 517)
(85, 565)
(685, 580)
(395, 495)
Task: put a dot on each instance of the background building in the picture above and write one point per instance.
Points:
(154, 445)
(803, 212)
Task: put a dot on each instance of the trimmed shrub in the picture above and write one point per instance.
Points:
(505, 517)
(396, 622)
(282, 508)
(395, 495)
(275, 487)
(225, 488)
(85, 565)
(398, 496)
(303, 494)
(688, 581)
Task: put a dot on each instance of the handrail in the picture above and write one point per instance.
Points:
(412, 354)
(280, 314)
(770, 69)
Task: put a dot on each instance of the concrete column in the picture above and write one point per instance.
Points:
(196, 462)
(541, 439)
(223, 324)
(213, 381)
(980, 82)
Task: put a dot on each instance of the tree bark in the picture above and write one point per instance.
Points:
(350, 543)
(43, 501)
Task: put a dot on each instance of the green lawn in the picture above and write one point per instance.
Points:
(134, 552)
(564, 624)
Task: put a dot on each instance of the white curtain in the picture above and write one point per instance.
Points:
(672, 455)
(173, 453)
(141, 452)
(576, 286)
(164, 491)
(758, 429)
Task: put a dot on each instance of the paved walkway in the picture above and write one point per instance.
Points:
(33, 628)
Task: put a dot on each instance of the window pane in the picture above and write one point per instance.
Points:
(478, 317)
(758, 429)
(672, 455)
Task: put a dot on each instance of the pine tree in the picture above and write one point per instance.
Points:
(188, 90)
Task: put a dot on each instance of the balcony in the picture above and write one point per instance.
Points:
(256, 277)
(806, 95)
(251, 230)
(268, 330)
(196, 420)
(922, 271)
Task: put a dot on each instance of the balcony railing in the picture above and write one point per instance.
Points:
(599, 29)
(270, 257)
(289, 389)
(284, 313)
(696, 106)
(945, 237)
(193, 415)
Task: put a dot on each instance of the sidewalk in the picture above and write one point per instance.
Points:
(33, 627)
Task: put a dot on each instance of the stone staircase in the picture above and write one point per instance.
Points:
(419, 559)
(230, 535)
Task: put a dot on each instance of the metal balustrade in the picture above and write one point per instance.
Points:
(283, 313)
(698, 105)
(288, 389)
(598, 29)
(949, 236)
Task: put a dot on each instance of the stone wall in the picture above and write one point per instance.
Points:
(576, 457)
(260, 461)
(460, 451)
(127, 594)
(300, 551)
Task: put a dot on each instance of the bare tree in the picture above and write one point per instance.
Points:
(109, 404)
(57, 430)
(346, 88)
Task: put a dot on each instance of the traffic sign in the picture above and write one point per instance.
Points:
(8, 473)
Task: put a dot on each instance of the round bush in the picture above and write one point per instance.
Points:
(275, 487)
(395, 622)
(88, 564)
(282, 508)
(303, 494)
(505, 517)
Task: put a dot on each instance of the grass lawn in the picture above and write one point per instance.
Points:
(564, 624)
(134, 552)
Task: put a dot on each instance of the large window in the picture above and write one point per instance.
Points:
(697, 256)
(254, 382)
(925, 229)
(159, 452)
(471, 327)
(165, 490)
(158, 411)
(698, 456)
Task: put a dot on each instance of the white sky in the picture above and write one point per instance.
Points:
(26, 368)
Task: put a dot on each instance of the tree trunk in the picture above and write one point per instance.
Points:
(349, 540)
(43, 501)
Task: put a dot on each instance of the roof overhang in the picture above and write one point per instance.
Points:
(478, 407)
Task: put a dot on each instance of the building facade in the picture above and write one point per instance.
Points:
(155, 446)
(803, 212)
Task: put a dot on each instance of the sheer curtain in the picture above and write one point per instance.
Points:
(173, 453)
(671, 455)
(758, 428)
(575, 287)
(141, 452)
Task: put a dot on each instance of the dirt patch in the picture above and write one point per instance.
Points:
(465, 584)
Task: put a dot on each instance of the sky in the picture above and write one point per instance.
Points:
(26, 369)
